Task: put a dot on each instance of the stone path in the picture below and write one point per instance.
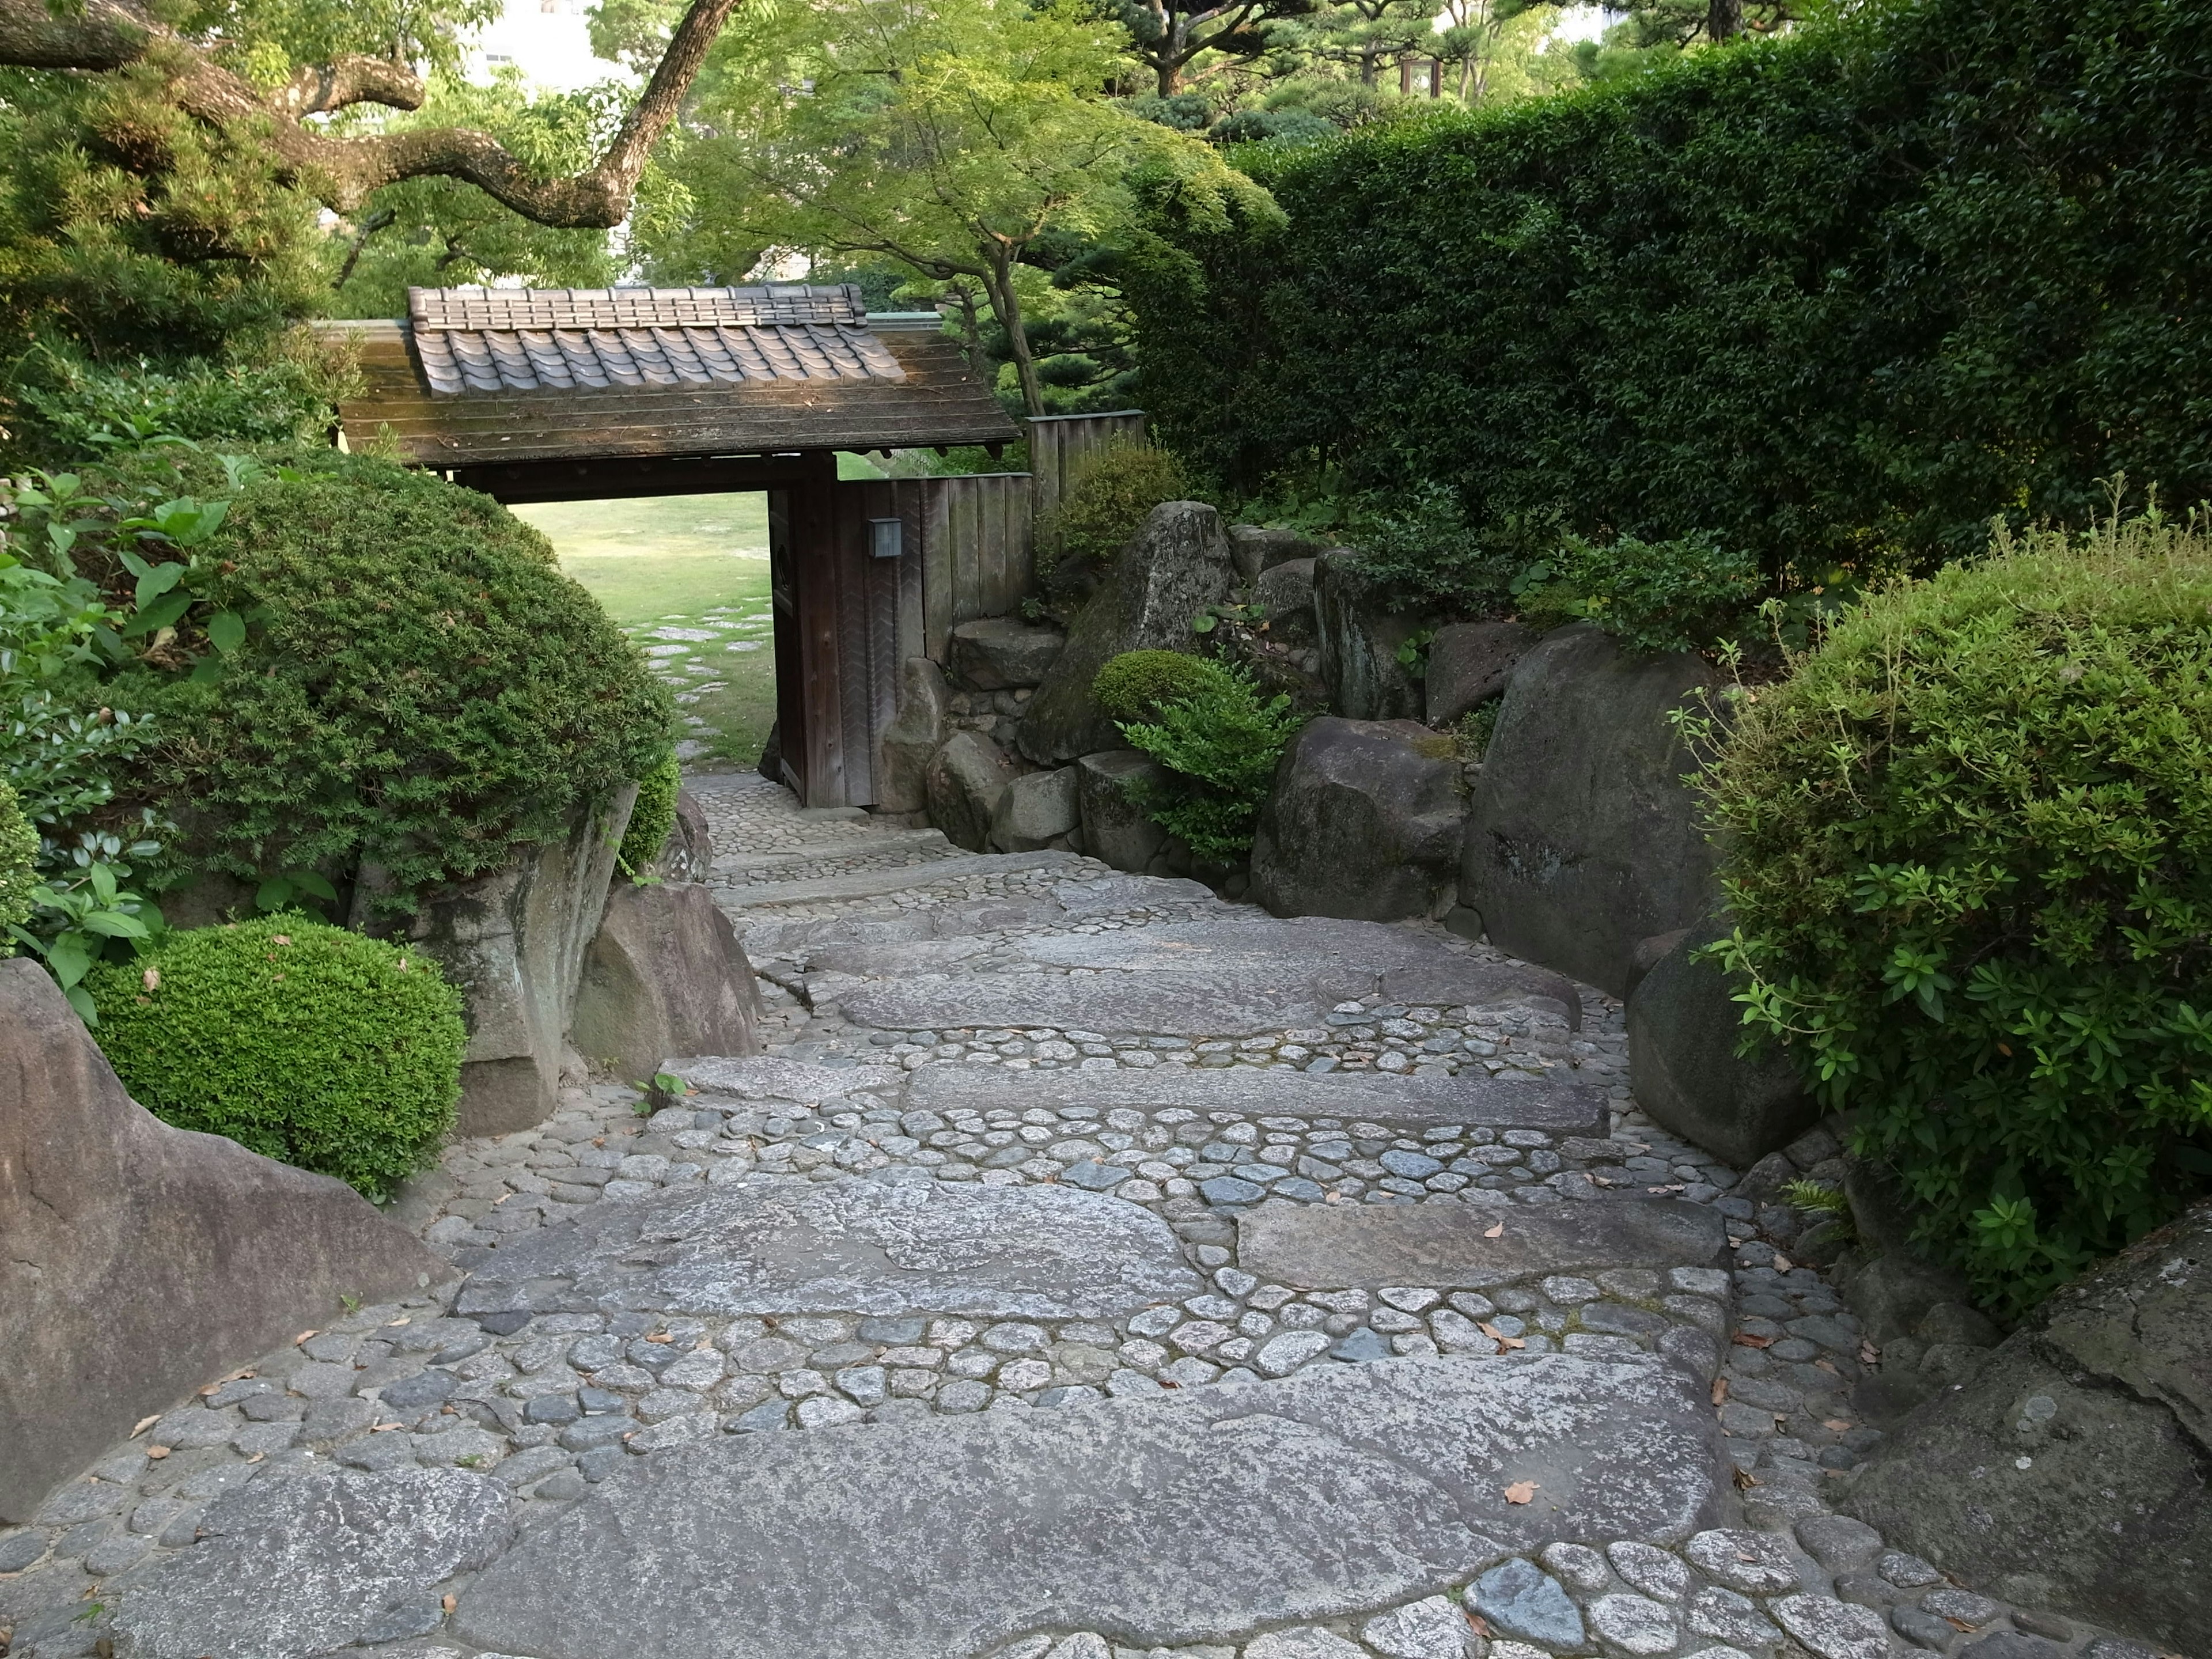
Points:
(1090, 1270)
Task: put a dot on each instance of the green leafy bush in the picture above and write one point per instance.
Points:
(651, 818)
(1219, 743)
(1679, 595)
(1079, 537)
(1134, 685)
(305, 1042)
(1968, 851)
(417, 687)
(1834, 298)
(19, 877)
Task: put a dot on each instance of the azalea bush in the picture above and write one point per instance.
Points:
(1967, 848)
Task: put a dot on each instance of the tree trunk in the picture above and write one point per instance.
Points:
(1008, 307)
(1724, 18)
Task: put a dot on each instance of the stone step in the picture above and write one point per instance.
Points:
(1367, 1247)
(1202, 1516)
(881, 844)
(876, 883)
(1558, 1103)
(1234, 974)
(864, 1246)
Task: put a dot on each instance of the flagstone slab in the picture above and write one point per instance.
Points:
(864, 1246)
(1553, 1103)
(303, 1563)
(1317, 1246)
(1202, 1515)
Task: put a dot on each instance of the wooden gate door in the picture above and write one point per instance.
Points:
(849, 556)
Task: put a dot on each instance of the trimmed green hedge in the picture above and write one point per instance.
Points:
(1134, 685)
(651, 819)
(1968, 850)
(419, 687)
(305, 1042)
(1836, 298)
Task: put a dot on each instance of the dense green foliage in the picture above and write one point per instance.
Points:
(1219, 741)
(19, 876)
(1834, 299)
(304, 1042)
(651, 819)
(1679, 595)
(1080, 535)
(414, 686)
(1134, 685)
(1968, 850)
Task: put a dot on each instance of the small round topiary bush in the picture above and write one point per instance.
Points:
(1968, 851)
(1079, 537)
(1137, 684)
(414, 686)
(651, 819)
(19, 852)
(306, 1043)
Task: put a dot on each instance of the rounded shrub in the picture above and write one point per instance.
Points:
(306, 1043)
(1137, 684)
(19, 874)
(418, 688)
(1079, 537)
(1967, 848)
(651, 819)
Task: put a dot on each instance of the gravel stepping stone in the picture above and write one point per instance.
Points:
(309, 1563)
(767, 1077)
(1555, 1106)
(1328, 1246)
(875, 884)
(1328, 1493)
(1161, 1005)
(1031, 1252)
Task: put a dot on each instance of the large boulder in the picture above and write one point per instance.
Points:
(999, 654)
(1683, 1030)
(1360, 635)
(1174, 566)
(1256, 550)
(1582, 839)
(1114, 829)
(142, 1261)
(1469, 664)
(920, 720)
(665, 975)
(1036, 811)
(688, 853)
(1285, 593)
(513, 941)
(965, 778)
(2070, 1471)
(1364, 822)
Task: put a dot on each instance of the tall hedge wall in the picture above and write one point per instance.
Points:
(1844, 294)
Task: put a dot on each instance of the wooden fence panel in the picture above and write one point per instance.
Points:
(1063, 447)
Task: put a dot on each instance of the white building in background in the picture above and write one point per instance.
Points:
(548, 40)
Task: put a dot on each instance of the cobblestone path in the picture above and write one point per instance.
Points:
(1090, 1270)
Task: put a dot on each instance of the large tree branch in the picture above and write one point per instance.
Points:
(109, 34)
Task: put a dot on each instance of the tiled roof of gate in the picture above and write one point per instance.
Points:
(491, 340)
(477, 376)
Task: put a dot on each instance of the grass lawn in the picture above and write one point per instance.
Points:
(685, 576)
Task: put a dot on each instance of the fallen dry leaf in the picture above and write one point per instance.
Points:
(1720, 1390)
(1836, 1423)
(257, 1457)
(144, 1424)
(660, 1336)
(1958, 1624)
(450, 1602)
(404, 1319)
(1498, 1231)
(1521, 1491)
(1745, 1482)
(209, 1389)
(157, 1453)
(1783, 1264)
(151, 979)
(1747, 1340)
(384, 1428)
(302, 1337)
